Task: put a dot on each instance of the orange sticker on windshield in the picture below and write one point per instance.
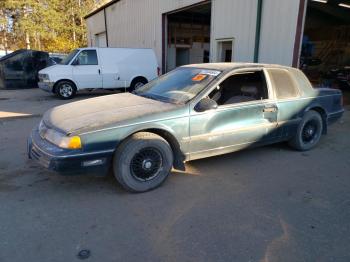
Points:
(199, 77)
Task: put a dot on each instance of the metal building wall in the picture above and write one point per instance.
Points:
(138, 23)
(278, 30)
(95, 25)
(234, 19)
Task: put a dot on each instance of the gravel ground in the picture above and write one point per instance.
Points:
(266, 204)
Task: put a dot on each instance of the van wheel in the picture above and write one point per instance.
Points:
(309, 132)
(142, 162)
(65, 90)
(137, 83)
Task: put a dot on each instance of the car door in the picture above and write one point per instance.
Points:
(86, 70)
(232, 126)
(14, 74)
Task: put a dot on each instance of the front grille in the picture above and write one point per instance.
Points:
(41, 77)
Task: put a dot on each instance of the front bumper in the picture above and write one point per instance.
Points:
(46, 86)
(65, 161)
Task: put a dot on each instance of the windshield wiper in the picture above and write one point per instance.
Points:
(150, 96)
(158, 98)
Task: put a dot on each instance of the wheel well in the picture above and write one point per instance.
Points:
(323, 114)
(59, 81)
(179, 157)
(139, 78)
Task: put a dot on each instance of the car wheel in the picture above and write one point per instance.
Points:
(65, 90)
(137, 83)
(142, 162)
(309, 132)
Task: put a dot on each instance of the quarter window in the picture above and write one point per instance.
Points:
(283, 84)
(87, 57)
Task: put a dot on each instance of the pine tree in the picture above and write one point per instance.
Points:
(50, 25)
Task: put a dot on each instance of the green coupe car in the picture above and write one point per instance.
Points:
(193, 112)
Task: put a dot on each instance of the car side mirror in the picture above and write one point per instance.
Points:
(205, 104)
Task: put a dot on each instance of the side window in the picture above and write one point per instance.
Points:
(87, 57)
(283, 83)
(14, 63)
(241, 87)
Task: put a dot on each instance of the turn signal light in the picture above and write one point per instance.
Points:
(74, 143)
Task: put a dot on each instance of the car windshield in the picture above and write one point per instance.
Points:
(178, 86)
(67, 59)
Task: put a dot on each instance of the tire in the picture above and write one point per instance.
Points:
(65, 90)
(142, 162)
(309, 132)
(137, 83)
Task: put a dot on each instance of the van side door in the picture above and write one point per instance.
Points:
(87, 70)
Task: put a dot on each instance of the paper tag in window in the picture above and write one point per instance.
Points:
(210, 72)
(199, 77)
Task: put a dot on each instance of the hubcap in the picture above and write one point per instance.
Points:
(146, 164)
(309, 132)
(138, 85)
(66, 90)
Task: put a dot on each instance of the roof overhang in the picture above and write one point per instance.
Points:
(101, 8)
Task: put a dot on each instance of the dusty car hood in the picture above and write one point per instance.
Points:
(105, 111)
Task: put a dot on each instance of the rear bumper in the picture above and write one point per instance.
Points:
(67, 162)
(335, 116)
(46, 86)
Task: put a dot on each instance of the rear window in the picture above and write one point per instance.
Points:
(284, 85)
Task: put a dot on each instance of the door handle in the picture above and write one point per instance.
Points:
(270, 109)
(99, 71)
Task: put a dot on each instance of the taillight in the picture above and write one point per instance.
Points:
(158, 71)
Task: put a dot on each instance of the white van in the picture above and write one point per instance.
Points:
(96, 68)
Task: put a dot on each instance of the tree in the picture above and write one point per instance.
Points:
(50, 25)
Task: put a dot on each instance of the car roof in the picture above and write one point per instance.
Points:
(231, 66)
(110, 48)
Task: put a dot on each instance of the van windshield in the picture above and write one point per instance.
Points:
(68, 58)
(178, 86)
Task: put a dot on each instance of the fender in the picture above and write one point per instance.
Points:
(168, 135)
(316, 106)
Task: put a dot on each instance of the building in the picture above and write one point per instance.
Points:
(194, 31)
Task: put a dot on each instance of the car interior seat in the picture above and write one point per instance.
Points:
(248, 93)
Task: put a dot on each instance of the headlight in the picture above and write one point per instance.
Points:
(44, 77)
(59, 139)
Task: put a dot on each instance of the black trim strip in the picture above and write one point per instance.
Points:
(258, 31)
(106, 30)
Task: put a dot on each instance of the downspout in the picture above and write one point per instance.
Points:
(258, 31)
(104, 13)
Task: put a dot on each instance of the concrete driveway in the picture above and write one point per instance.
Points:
(266, 204)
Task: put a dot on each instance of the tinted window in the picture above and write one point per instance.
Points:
(15, 63)
(87, 57)
(283, 83)
(241, 87)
